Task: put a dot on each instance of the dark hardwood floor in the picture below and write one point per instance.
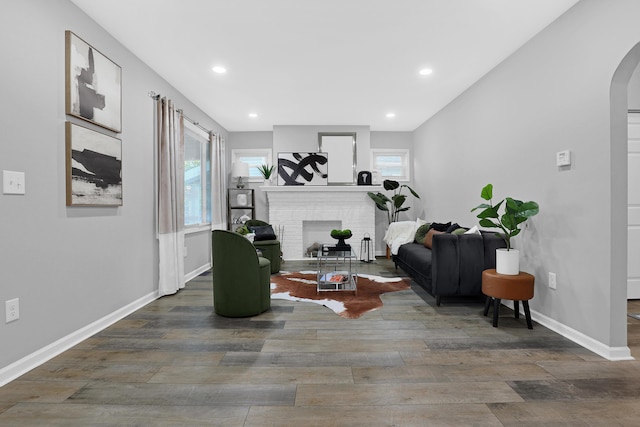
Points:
(175, 363)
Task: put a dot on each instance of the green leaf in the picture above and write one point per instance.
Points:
(389, 184)
(488, 223)
(380, 200)
(482, 206)
(528, 209)
(398, 200)
(512, 205)
(378, 197)
(413, 193)
(487, 192)
(490, 212)
(406, 208)
(509, 221)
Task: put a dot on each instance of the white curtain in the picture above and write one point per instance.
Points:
(218, 183)
(170, 196)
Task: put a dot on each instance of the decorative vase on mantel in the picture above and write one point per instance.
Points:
(508, 261)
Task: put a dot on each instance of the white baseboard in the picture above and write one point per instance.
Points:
(609, 353)
(37, 358)
(197, 272)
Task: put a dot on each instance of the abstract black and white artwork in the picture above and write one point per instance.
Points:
(94, 168)
(93, 84)
(302, 168)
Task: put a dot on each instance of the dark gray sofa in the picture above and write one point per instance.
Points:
(454, 264)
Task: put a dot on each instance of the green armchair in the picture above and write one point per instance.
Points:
(241, 279)
(270, 248)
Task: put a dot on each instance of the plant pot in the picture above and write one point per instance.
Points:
(508, 262)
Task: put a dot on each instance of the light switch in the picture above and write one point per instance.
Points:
(13, 182)
(563, 158)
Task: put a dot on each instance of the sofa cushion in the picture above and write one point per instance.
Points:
(428, 239)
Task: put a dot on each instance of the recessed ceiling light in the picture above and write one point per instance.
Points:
(220, 70)
(391, 115)
(425, 71)
(253, 115)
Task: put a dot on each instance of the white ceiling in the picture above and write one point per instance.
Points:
(322, 62)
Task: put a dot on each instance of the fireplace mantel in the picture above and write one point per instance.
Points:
(321, 188)
(290, 206)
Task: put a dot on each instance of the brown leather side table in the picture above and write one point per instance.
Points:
(501, 286)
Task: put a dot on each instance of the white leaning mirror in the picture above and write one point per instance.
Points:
(341, 148)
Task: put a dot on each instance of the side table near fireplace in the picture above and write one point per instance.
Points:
(502, 286)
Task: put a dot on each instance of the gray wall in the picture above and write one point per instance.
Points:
(299, 138)
(553, 94)
(70, 266)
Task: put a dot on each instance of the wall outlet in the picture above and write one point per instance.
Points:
(12, 310)
(552, 280)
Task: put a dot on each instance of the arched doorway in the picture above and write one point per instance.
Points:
(619, 188)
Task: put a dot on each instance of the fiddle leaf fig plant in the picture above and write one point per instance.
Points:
(393, 206)
(515, 212)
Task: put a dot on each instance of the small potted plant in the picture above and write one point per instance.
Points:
(514, 213)
(341, 236)
(266, 171)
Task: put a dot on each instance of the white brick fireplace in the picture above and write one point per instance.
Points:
(294, 206)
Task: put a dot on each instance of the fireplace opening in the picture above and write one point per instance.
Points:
(317, 232)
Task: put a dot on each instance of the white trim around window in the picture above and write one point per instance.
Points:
(254, 157)
(197, 180)
(392, 163)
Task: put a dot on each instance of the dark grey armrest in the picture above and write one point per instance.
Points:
(457, 264)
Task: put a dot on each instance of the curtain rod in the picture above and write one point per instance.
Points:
(156, 97)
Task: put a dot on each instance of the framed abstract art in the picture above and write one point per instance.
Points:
(93, 167)
(303, 168)
(93, 85)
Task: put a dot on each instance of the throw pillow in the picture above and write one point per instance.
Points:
(263, 232)
(473, 230)
(421, 232)
(428, 239)
(459, 231)
(440, 226)
(452, 228)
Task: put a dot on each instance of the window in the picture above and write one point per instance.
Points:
(391, 163)
(254, 158)
(197, 173)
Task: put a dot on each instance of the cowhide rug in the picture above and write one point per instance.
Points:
(301, 286)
